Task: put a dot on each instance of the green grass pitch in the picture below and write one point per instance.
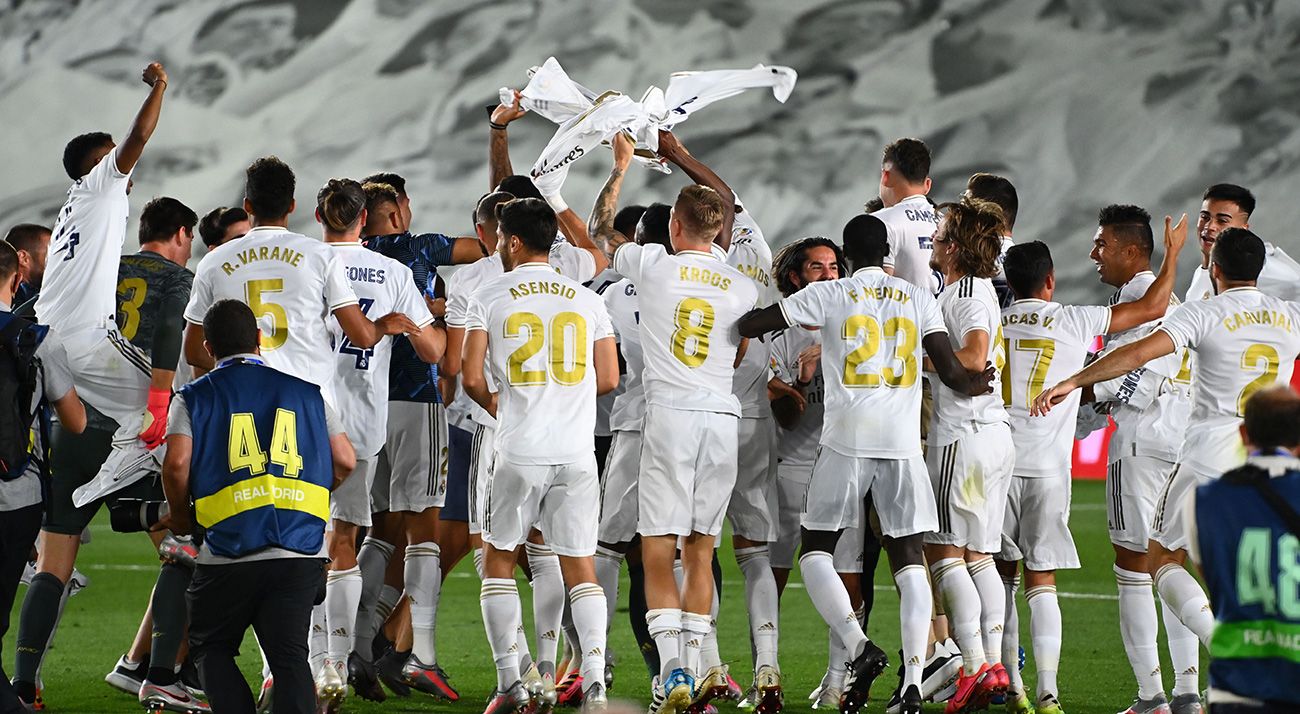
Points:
(1095, 677)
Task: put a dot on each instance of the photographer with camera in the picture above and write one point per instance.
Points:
(252, 454)
(34, 365)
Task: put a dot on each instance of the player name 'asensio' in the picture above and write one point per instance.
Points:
(259, 253)
(1258, 317)
(542, 287)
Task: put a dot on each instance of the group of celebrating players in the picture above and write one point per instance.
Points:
(582, 395)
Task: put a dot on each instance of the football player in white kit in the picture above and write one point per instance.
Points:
(382, 285)
(78, 296)
(1046, 341)
(690, 301)
(1224, 206)
(1242, 341)
(551, 350)
(1150, 413)
(969, 453)
(908, 214)
(876, 325)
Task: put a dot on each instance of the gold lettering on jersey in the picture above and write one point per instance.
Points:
(1028, 318)
(703, 275)
(1271, 318)
(542, 287)
(263, 253)
(883, 292)
(755, 273)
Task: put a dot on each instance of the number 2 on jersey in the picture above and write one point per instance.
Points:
(565, 326)
(900, 329)
(253, 292)
(1250, 360)
(693, 319)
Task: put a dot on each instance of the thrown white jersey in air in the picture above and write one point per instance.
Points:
(1243, 341)
(79, 290)
(872, 327)
(541, 330)
(969, 304)
(1046, 342)
(628, 412)
(382, 285)
(911, 224)
(293, 284)
(750, 254)
(690, 303)
(1280, 277)
(798, 446)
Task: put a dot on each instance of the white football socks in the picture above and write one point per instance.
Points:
(318, 639)
(499, 599)
(1045, 633)
(709, 655)
(1011, 633)
(1138, 630)
(609, 564)
(587, 601)
(1180, 590)
(422, 577)
(962, 604)
(1184, 652)
(914, 599)
(342, 595)
(665, 627)
(548, 603)
(826, 590)
(993, 606)
(695, 627)
(762, 602)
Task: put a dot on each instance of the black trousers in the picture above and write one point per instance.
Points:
(18, 529)
(275, 598)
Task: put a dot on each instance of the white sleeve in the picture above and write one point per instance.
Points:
(476, 315)
(970, 315)
(627, 261)
(200, 296)
(603, 327)
(1183, 325)
(573, 262)
(805, 307)
(410, 302)
(56, 373)
(457, 299)
(781, 368)
(104, 176)
(1088, 322)
(931, 315)
(338, 290)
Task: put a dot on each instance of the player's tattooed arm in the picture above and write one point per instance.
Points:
(955, 375)
(759, 322)
(1121, 361)
(1155, 302)
(601, 223)
(145, 121)
(499, 142)
(472, 377)
(672, 150)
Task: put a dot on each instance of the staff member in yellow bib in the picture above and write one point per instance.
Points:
(257, 453)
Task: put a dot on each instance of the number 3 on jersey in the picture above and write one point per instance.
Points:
(565, 326)
(694, 322)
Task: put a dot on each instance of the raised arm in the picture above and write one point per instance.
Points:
(1153, 304)
(499, 142)
(952, 370)
(1121, 361)
(672, 150)
(601, 224)
(128, 153)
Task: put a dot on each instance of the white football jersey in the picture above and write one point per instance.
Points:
(571, 261)
(1243, 341)
(605, 402)
(628, 411)
(79, 290)
(1045, 343)
(541, 329)
(798, 446)
(293, 284)
(691, 302)
(872, 328)
(967, 305)
(382, 285)
(911, 224)
(751, 255)
(1280, 277)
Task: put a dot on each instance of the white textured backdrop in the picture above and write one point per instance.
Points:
(1080, 102)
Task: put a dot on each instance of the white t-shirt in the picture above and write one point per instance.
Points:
(911, 224)
(382, 285)
(571, 261)
(872, 328)
(605, 402)
(1280, 277)
(1046, 342)
(798, 446)
(751, 255)
(293, 285)
(628, 410)
(79, 290)
(55, 382)
(968, 305)
(690, 303)
(1243, 341)
(541, 329)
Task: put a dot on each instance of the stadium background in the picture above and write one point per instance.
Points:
(1080, 102)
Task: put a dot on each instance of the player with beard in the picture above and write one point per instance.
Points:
(1224, 206)
(33, 245)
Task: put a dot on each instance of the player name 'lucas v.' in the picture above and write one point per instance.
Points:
(284, 255)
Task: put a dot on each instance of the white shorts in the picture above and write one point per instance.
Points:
(482, 449)
(838, 490)
(1133, 485)
(791, 486)
(688, 468)
(847, 557)
(411, 475)
(1168, 527)
(753, 506)
(350, 502)
(555, 498)
(1036, 528)
(971, 477)
(618, 492)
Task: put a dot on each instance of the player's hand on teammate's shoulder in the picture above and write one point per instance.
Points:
(395, 323)
(154, 73)
(980, 382)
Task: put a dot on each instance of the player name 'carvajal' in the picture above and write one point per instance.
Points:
(284, 255)
(536, 287)
(703, 275)
(1258, 317)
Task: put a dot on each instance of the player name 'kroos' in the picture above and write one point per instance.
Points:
(542, 287)
(284, 255)
(1258, 317)
(703, 275)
